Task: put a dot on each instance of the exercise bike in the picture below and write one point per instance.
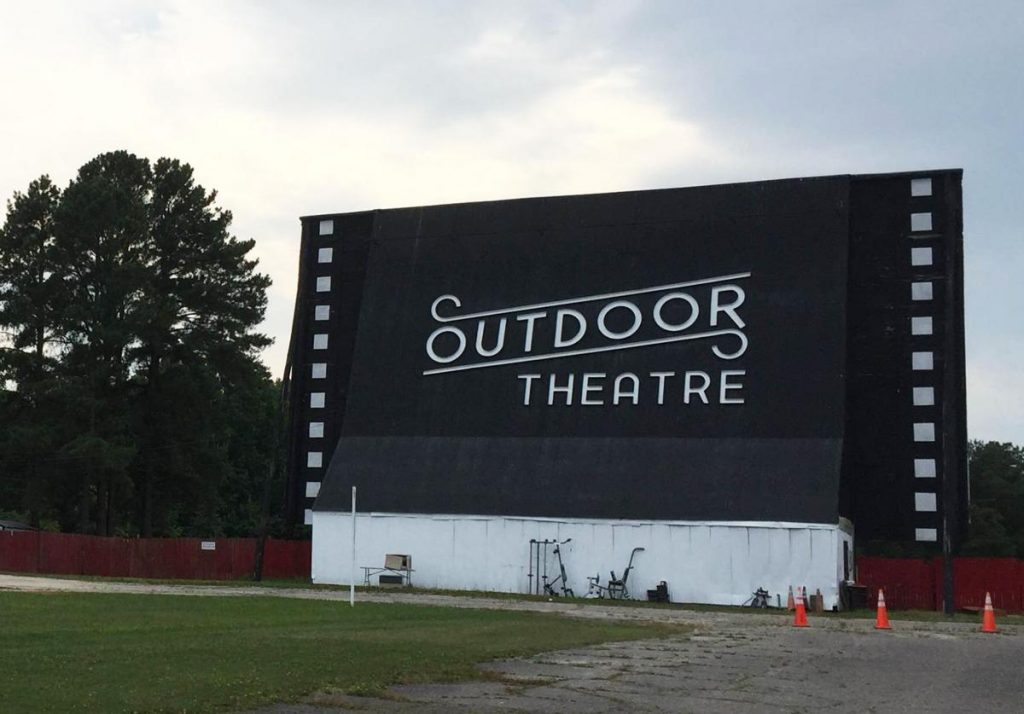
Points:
(616, 588)
(549, 587)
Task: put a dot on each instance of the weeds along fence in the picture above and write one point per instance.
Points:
(917, 583)
(163, 558)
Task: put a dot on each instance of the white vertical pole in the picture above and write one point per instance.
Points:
(352, 579)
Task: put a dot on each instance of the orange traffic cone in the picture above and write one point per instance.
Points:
(882, 619)
(800, 620)
(988, 617)
(790, 602)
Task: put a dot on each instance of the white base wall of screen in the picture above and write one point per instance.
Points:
(710, 562)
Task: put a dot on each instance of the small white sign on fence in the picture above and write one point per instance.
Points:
(208, 545)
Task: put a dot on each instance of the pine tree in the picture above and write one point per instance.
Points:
(130, 313)
(31, 302)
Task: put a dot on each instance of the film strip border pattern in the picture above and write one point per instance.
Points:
(925, 359)
(317, 395)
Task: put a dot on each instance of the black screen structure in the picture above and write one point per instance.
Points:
(844, 389)
(674, 355)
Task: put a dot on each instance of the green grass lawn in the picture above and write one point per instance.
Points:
(155, 653)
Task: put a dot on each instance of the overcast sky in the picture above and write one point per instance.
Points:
(293, 108)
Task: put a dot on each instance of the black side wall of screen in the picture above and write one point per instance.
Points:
(349, 241)
(880, 482)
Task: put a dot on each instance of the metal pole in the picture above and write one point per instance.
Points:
(545, 576)
(536, 580)
(954, 436)
(948, 586)
(352, 577)
(529, 570)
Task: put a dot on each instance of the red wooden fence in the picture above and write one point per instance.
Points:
(908, 583)
(72, 554)
(913, 583)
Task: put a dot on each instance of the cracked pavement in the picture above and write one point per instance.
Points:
(735, 668)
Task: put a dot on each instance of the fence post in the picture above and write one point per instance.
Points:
(938, 583)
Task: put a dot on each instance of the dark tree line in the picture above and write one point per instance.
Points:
(997, 499)
(133, 401)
